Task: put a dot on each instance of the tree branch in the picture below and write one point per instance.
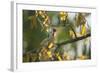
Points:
(75, 40)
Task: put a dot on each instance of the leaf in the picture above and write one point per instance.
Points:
(58, 56)
(49, 54)
(83, 29)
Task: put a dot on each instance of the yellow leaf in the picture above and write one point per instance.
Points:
(49, 53)
(83, 31)
(50, 45)
(59, 58)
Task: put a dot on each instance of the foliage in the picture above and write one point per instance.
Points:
(47, 35)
